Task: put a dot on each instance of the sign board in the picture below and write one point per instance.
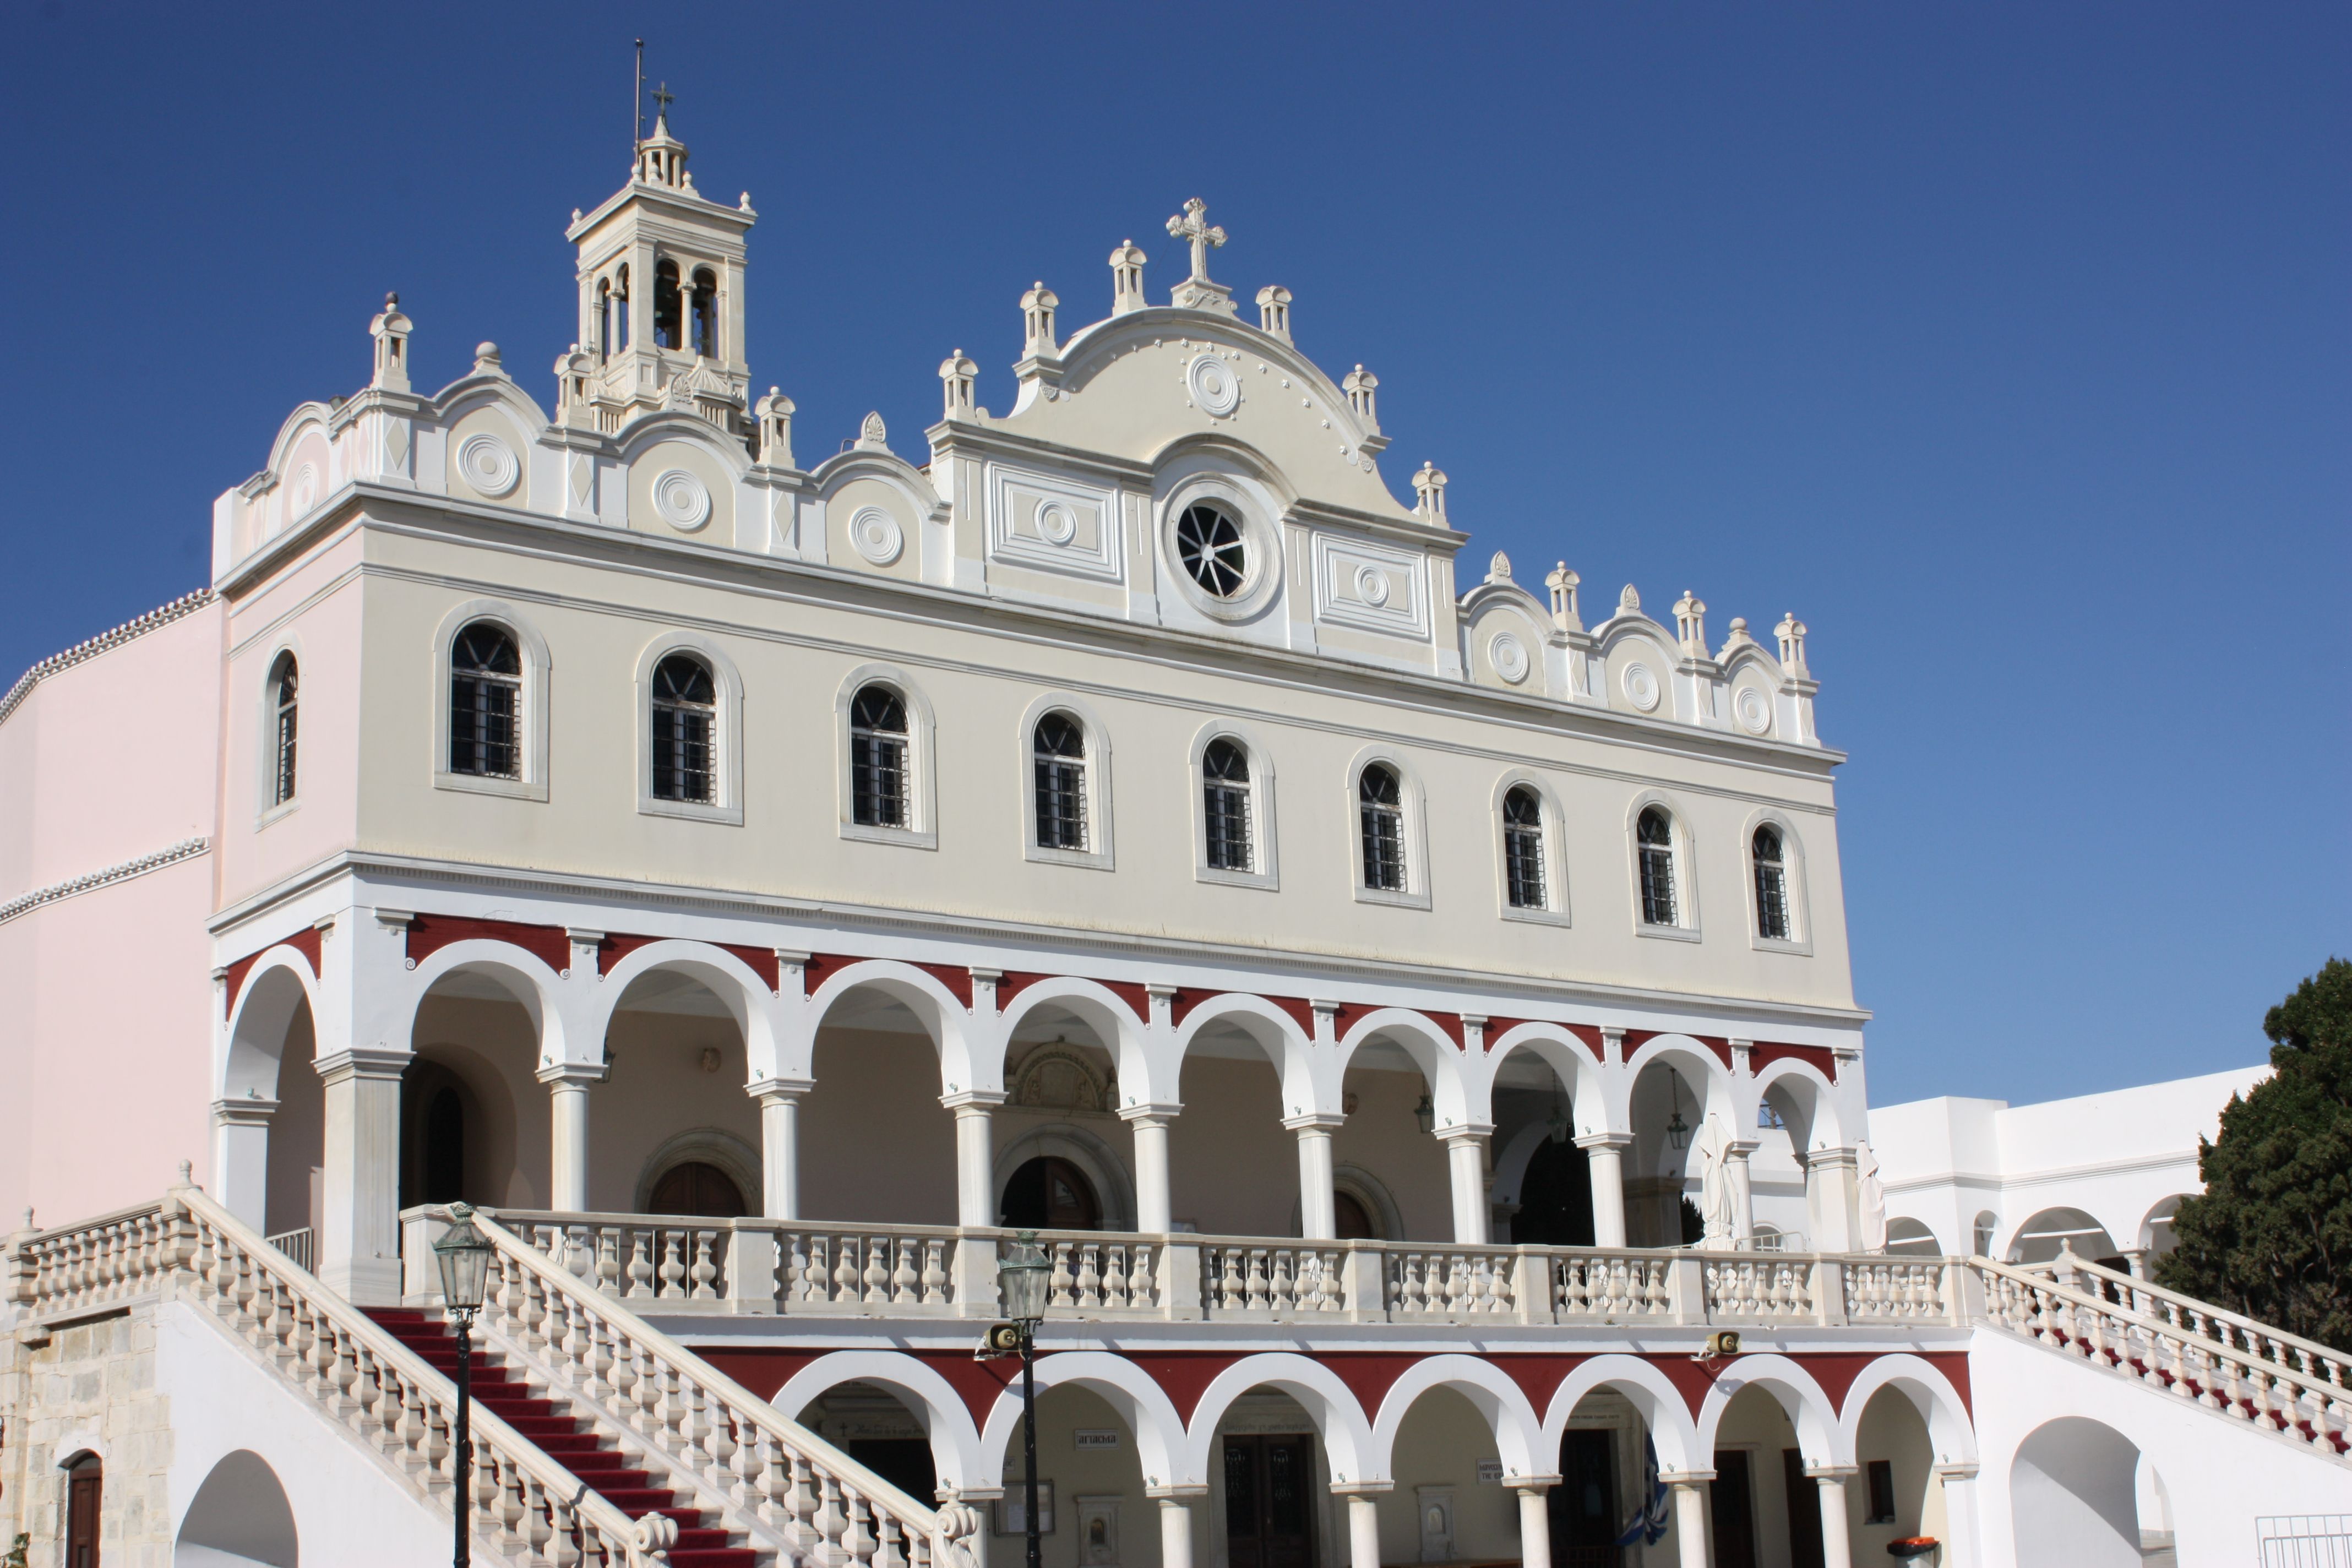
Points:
(1098, 1437)
(1490, 1472)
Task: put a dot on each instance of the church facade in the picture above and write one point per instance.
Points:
(1411, 1009)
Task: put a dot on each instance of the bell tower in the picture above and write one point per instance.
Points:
(661, 294)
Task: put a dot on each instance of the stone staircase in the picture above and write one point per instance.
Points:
(569, 1438)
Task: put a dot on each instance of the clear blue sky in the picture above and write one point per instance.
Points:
(2007, 345)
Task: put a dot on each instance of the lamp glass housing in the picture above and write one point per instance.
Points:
(462, 1253)
(1425, 1113)
(1678, 1132)
(1022, 1279)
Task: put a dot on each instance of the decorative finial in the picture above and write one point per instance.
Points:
(1690, 623)
(1629, 603)
(187, 1172)
(774, 413)
(1563, 584)
(486, 356)
(1430, 486)
(1498, 570)
(1274, 312)
(1791, 633)
(1126, 278)
(1038, 307)
(1192, 224)
(1362, 388)
(391, 302)
(873, 435)
(958, 375)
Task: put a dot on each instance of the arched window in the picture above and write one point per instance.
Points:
(1350, 1220)
(285, 682)
(685, 712)
(670, 323)
(485, 702)
(878, 758)
(706, 313)
(1061, 763)
(1208, 545)
(1379, 807)
(604, 316)
(1653, 838)
(1050, 1194)
(1771, 885)
(1226, 805)
(1523, 848)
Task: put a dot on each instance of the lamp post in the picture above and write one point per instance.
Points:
(1021, 1281)
(463, 1255)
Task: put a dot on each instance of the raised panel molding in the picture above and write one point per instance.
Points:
(1370, 587)
(1054, 524)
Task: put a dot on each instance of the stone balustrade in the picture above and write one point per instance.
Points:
(528, 1510)
(679, 1264)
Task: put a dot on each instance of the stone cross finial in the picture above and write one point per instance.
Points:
(1430, 486)
(1192, 224)
(663, 98)
(1563, 583)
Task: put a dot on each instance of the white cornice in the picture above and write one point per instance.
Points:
(55, 892)
(186, 604)
(2047, 1176)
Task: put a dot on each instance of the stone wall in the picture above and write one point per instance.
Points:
(90, 1387)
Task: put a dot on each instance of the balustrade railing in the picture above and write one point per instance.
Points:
(2177, 1346)
(678, 1265)
(528, 1509)
(561, 1313)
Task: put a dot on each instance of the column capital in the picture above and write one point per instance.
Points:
(1463, 1132)
(1686, 1477)
(1832, 1472)
(1829, 1159)
(1612, 1045)
(979, 972)
(395, 920)
(1538, 1484)
(1161, 1111)
(1323, 1120)
(250, 1111)
(1590, 1141)
(1161, 990)
(1179, 1492)
(973, 1100)
(363, 1063)
(1363, 1489)
(583, 936)
(779, 1087)
(580, 1074)
(1740, 1148)
(1958, 1469)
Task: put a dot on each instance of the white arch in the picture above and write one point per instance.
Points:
(1277, 1034)
(1338, 1419)
(968, 1060)
(524, 974)
(738, 987)
(1693, 1059)
(1569, 1060)
(1819, 1124)
(1809, 1409)
(1144, 1075)
(1509, 1414)
(1458, 1093)
(1949, 1431)
(1142, 1403)
(956, 1452)
(254, 1043)
(1659, 1403)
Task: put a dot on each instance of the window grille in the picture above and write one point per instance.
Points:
(1653, 836)
(1209, 544)
(1226, 805)
(485, 698)
(1379, 800)
(1523, 848)
(286, 689)
(878, 758)
(685, 709)
(1061, 763)
(1771, 886)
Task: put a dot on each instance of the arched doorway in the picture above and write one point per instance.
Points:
(85, 1507)
(1555, 1197)
(1050, 1193)
(698, 1188)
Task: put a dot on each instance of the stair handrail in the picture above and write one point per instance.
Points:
(817, 1500)
(2181, 1362)
(525, 1503)
(2318, 1360)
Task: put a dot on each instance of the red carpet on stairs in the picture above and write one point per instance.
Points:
(560, 1434)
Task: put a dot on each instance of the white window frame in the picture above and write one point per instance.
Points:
(921, 831)
(1685, 848)
(1262, 543)
(1799, 940)
(267, 808)
(530, 731)
(727, 773)
(1266, 867)
(1412, 814)
(1555, 907)
(1097, 856)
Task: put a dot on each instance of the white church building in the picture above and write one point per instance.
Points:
(1410, 1005)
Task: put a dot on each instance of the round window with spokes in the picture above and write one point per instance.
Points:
(1209, 542)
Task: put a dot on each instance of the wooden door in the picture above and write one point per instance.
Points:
(1805, 1510)
(82, 1495)
(695, 1188)
(1731, 1503)
(1270, 1501)
(1584, 1508)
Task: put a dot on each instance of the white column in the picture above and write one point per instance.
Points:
(1466, 1166)
(1363, 1520)
(241, 1159)
(1152, 1201)
(1960, 1514)
(1837, 1550)
(1743, 1194)
(975, 1154)
(359, 1239)
(1535, 1520)
(1690, 1518)
(1832, 1199)
(1176, 1522)
(1318, 1219)
(567, 1092)
(780, 1145)
(1606, 1154)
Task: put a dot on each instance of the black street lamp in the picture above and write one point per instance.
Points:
(464, 1254)
(1021, 1282)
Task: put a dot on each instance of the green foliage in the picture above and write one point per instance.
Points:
(2271, 1236)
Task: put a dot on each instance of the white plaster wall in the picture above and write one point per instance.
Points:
(348, 1506)
(2221, 1476)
